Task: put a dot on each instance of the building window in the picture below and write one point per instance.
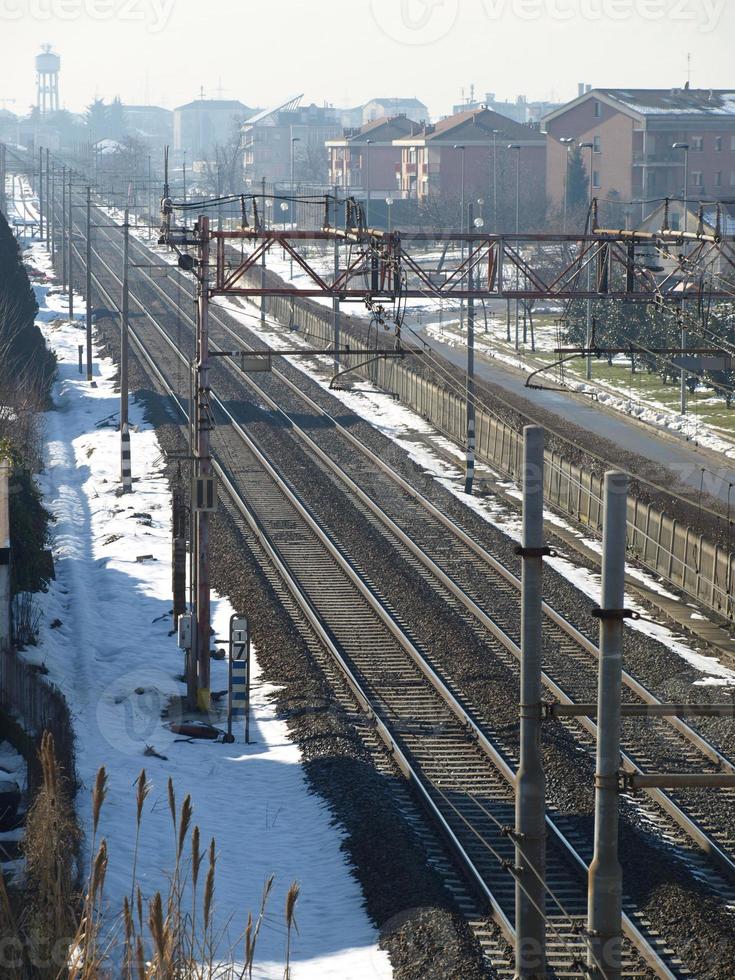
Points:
(598, 110)
(412, 155)
(595, 178)
(675, 221)
(718, 144)
(718, 179)
(697, 144)
(732, 143)
(697, 178)
(597, 142)
(732, 178)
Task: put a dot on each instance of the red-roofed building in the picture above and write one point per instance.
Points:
(367, 158)
(432, 159)
(633, 132)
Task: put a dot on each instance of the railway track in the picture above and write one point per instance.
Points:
(458, 781)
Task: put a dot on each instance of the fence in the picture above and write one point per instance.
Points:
(667, 547)
(37, 706)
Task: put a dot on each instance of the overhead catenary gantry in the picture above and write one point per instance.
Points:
(391, 266)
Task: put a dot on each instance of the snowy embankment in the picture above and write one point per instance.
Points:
(110, 651)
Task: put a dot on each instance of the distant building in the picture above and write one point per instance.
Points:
(380, 108)
(433, 158)
(198, 126)
(715, 219)
(367, 158)
(517, 111)
(350, 118)
(9, 127)
(271, 136)
(632, 132)
(150, 123)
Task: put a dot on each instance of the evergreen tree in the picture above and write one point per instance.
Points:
(22, 347)
(578, 181)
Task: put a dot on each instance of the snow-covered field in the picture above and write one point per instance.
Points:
(118, 667)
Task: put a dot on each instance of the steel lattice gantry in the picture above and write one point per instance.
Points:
(635, 266)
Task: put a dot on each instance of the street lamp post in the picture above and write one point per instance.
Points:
(568, 140)
(685, 148)
(367, 182)
(389, 205)
(683, 375)
(517, 148)
(496, 133)
(458, 146)
(588, 342)
(294, 140)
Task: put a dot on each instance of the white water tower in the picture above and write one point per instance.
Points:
(48, 66)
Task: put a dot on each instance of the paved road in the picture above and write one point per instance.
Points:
(682, 459)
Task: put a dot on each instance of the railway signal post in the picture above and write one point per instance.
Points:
(204, 498)
(530, 828)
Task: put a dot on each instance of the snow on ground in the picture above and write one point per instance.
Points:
(403, 426)
(613, 395)
(118, 667)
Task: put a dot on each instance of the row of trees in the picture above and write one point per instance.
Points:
(27, 370)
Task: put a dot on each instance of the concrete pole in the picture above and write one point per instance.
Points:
(335, 299)
(70, 262)
(683, 375)
(125, 467)
(588, 328)
(40, 193)
(530, 829)
(605, 875)
(470, 393)
(3, 164)
(204, 469)
(263, 218)
(5, 628)
(52, 217)
(88, 288)
(63, 228)
(49, 219)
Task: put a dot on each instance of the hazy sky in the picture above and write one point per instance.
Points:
(348, 51)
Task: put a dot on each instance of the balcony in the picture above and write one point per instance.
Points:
(666, 159)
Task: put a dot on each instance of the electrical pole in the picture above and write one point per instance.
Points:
(40, 193)
(335, 298)
(605, 875)
(3, 165)
(530, 829)
(52, 217)
(264, 219)
(88, 272)
(70, 263)
(470, 393)
(125, 467)
(63, 228)
(204, 469)
(49, 218)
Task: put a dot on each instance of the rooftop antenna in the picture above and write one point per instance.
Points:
(689, 69)
(201, 92)
(220, 90)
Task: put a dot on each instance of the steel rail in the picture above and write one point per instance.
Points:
(687, 823)
(638, 939)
